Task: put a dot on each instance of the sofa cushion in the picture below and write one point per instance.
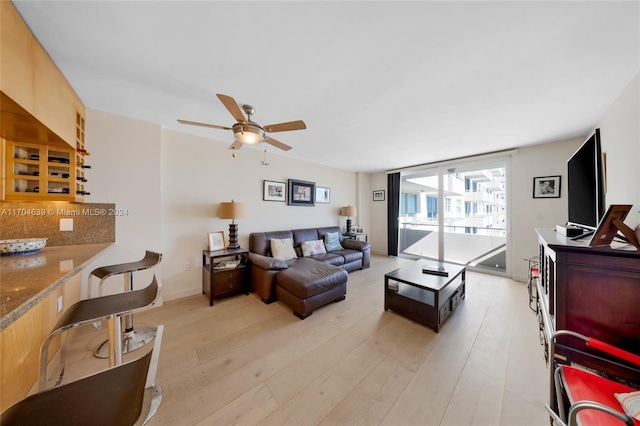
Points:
(309, 277)
(330, 258)
(313, 248)
(282, 249)
(332, 241)
(349, 255)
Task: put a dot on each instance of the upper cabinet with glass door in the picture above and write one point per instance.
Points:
(38, 107)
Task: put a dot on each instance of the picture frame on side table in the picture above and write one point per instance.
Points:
(546, 187)
(274, 191)
(378, 195)
(611, 223)
(301, 193)
(216, 241)
(323, 195)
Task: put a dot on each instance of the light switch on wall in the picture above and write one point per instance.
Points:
(66, 224)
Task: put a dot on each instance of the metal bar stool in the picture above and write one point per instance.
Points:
(131, 339)
(111, 308)
(121, 395)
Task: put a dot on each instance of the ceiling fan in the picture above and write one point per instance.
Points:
(247, 131)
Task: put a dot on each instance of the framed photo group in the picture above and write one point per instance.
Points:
(295, 192)
(274, 191)
(302, 193)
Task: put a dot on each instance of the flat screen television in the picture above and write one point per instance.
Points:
(585, 184)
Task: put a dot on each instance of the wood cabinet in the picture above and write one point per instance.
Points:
(39, 172)
(593, 291)
(32, 79)
(224, 282)
(38, 104)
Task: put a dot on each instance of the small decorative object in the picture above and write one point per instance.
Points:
(301, 193)
(274, 191)
(611, 223)
(378, 195)
(227, 264)
(546, 187)
(216, 241)
(348, 211)
(21, 246)
(232, 211)
(323, 195)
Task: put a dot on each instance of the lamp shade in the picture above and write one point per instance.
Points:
(231, 210)
(349, 211)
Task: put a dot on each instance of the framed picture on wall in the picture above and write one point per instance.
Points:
(323, 195)
(274, 191)
(378, 195)
(546, 187)
(301, 193)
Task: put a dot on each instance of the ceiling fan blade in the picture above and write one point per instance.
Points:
(277, 144)
(283, 127)
(236, 145)
(195, 123)
(233, 107)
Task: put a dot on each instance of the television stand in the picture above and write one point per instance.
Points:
(581, 236)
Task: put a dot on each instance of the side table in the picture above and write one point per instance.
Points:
(357, 236)
(224, 282)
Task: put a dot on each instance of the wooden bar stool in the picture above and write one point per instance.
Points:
(122, 395)
(131, 339)
(110, 308)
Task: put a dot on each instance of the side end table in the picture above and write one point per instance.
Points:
(224, 282)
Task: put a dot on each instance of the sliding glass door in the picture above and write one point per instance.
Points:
(456, 212)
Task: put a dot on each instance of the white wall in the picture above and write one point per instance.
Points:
(378, 215)
(527, 213)
(620, 133)
(125, 170)
(170, 183)
(199, 173)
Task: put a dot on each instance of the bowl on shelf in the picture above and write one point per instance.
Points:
(21, 246)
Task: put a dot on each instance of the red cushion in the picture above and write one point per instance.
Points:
(582, 385)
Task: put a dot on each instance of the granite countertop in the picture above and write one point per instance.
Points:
(26, 280)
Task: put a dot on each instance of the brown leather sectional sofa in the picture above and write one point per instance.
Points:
(304, 283)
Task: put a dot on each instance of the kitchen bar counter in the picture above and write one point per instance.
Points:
(27, 280)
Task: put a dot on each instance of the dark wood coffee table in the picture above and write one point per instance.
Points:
(424, 297)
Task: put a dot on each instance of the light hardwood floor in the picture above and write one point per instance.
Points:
(246, 363)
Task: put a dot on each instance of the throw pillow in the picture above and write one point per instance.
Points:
(312, 248)
(630, 402)
(283, 249)
(332, 241)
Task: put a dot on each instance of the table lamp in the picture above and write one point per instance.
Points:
(232, 211)
(348, 212)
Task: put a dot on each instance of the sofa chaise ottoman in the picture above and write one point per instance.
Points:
(302, 280)
(310, 285)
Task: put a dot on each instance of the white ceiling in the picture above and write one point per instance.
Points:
(380, 85)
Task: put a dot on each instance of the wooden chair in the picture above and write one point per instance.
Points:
(110, 308)
(121, 395)
(591, 397)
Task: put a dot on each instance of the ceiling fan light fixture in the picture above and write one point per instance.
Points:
(248, 133)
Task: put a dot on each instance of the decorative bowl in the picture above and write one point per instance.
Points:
(21, 246)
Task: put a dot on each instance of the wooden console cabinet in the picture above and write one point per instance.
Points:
(594, 291)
